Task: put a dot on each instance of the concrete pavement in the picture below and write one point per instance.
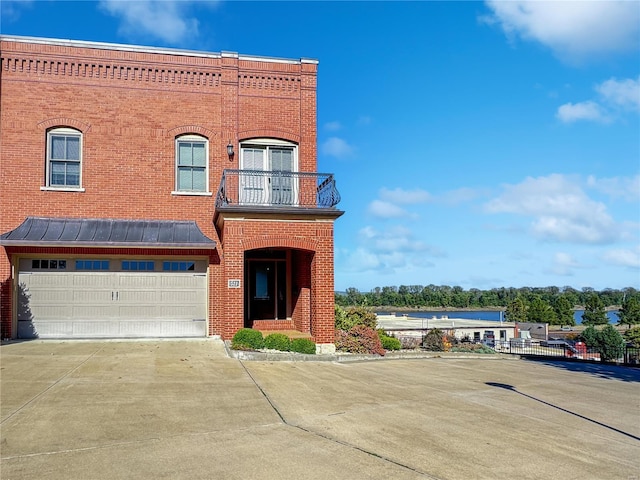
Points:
(184, 410)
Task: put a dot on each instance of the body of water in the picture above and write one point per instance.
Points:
(492, 316)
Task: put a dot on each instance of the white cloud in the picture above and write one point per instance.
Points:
(624, 93)
(332, 126)
(560, 210)
(616, 96)
(11, 10)
(627, 188)
(563, 264)
(622, 257)
(459, 195)
(389, 251)
(337, 147)
(574, 30)
(167, 20)
(402, 196)
(572, 112)
(382, 209)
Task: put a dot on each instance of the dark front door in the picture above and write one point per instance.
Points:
(267, 290)
(262, 290)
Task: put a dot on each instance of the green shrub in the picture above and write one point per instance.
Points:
(247, 338)
(611, 344)
(359, 339)
(633, 336)
(608, 342)
(472, 348)
(410, 343)
(348, 318)
(277, 341)
(388, 342)
(303, 345)
(434, 341)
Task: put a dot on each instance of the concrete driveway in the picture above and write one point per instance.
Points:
(184, 410)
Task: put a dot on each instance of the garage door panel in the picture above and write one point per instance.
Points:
(87, 312)
(169, 297)
(194, 328)
(47, 329)
(50, 312)
(92, 329)
(138, 297)
(140, 311)
(138, 281)
(52, 296)
(112, 304)
(92, 280)
(100, 297)
(170, 281)
(50, 279)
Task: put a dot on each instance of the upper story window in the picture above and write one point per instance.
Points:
(192, 164)
(269, 154)
(267, 180)
(64, 158)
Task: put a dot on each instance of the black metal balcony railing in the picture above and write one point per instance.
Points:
(277, 189)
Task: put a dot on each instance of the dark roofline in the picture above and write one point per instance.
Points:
(110, 233)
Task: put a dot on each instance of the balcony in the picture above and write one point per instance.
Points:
(277, 191)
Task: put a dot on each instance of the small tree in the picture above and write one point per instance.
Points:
(633, 336)
(564, 311)
(611, 344)
(608, 342)
(434, 340)
(590, 336)
(346, 319)
(517, 310)
(540, 311)
(629, 314)
(594, 313)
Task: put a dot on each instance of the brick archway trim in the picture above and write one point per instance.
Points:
(64, 122)
(269, 133)
(287, 242)
(181, 130)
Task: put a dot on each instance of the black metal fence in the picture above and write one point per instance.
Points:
(412, 338)
(277, 189)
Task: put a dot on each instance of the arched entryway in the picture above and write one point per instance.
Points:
(277, 289)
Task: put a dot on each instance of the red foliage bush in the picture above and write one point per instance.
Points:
(359, 339)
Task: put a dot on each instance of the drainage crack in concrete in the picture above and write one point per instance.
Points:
(331, 439)
(52, 385)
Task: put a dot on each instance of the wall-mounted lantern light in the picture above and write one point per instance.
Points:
(230, 150)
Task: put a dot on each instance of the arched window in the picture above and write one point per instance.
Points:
(64, 158)
(192, 164)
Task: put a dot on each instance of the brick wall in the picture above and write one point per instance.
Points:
(312, 245)
(130, 106)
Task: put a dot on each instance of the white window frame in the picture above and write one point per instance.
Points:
(267, 144)
(63, 132)
(191, 138)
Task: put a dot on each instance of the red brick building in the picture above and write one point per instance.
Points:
(159, 192)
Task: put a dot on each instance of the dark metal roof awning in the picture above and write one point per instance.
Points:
(92, 232)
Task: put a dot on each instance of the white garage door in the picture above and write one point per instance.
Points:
(111, 298)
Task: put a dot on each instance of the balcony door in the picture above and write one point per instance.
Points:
(268, 179)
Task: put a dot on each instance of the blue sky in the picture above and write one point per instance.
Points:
(480, 144)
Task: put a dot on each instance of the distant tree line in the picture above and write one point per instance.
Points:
(553, 305)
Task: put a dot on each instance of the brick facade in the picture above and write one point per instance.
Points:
(130, 104)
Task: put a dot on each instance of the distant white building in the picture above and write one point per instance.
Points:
(461, 328)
